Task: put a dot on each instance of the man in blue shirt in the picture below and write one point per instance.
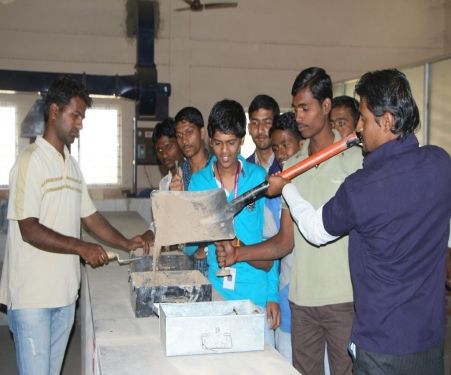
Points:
(231, 172)
(396, 211)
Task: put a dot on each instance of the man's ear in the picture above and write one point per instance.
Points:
(387, 122)
(326, 105)
(53, 111)
(202, 133)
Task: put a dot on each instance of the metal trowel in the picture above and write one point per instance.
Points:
(115, 256)
(205, 216)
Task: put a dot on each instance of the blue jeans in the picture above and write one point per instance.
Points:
(40, 337)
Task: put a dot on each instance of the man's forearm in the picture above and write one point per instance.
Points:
(104, 230)
(47, 239)
(274, 248)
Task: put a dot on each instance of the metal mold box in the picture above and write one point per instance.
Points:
(147, 288)
(167, 261)
(211, 327)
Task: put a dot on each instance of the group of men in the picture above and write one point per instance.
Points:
(348, 259)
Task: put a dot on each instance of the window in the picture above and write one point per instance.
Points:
(7, 142)
(98, 149)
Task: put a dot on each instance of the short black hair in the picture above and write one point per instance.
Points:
(317, 80)
(389, 91)
(165, 128)
(228, 117)
(286, 121)
(347, 102)
(61, 91)
(263, 101)
(190, 114)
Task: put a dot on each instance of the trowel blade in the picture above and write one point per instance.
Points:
(191, 216)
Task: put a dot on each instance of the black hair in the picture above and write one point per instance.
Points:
(190, 114)
(389, 91)
(347, 102)
(61, 91)
(263, 101)
(286, 121)
(228, 117)
(317, 80)
(165, 128)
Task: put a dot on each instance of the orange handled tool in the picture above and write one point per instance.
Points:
(243, 200)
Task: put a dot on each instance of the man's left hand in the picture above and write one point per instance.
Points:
(136, 242)
(273, 314)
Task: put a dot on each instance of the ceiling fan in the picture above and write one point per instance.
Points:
(197, 6)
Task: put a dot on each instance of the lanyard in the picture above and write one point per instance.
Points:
(237, 174)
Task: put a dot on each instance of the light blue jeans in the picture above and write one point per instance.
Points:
(40, 337)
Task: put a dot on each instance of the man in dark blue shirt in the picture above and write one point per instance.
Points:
(396, 211)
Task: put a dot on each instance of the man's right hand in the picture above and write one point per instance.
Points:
(93, 254)
(276, 184)
(226, 253)
(176, 183)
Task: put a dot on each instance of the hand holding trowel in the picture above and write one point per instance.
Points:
(206, 216)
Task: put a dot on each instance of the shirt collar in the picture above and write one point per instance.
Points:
(49, 149)
(390, 149)
(304, 148)
(267, 165)
(241, 159)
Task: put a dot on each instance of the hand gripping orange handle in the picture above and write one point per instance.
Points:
(319, 157)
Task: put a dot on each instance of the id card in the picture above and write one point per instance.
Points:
(229, 281)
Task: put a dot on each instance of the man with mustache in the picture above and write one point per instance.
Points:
(190, 133)
(47, 199)
(168, 153)
(320, 295)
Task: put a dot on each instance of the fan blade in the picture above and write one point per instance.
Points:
(182, 9)
(190, 3)
(220, 5)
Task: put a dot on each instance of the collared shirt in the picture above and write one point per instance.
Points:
(251, 283)
(46, 186)
(186, 170)
(320, 276)
(397, 211)
(271, 167)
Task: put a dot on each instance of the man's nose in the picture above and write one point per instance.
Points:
(299, 117)
(359, 127)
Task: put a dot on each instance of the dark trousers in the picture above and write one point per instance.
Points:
(312, 328)
(429, 362)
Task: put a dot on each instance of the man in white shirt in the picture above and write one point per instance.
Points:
(47, 199)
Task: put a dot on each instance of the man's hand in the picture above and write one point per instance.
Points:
(176, 183)
(134, 243)
(276, 185)
(149, 238)
(93, 254)
(273, 314)
(225, 253)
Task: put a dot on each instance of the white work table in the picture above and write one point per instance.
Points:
(114, 341)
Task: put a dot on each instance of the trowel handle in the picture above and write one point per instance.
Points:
(111, 255)
(318, 157)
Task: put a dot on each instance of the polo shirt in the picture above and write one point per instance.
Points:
(320, 274)
(46, 186)
(397, 210)
(250, 283)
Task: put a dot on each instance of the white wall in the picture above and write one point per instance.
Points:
(260, 46)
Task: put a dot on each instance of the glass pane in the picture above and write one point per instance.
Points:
(99, 147)
(7, 142)
(440, 108)
(415, 76)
